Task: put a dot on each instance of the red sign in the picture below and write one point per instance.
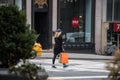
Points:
(75, 22)
(116, 27)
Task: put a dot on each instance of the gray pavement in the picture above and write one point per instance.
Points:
(79, 56)
(77, 69)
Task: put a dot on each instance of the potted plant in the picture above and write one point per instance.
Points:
(114, 66)
(29, 70)
(16, 42)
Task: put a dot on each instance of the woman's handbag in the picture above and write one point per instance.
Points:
(63, 58)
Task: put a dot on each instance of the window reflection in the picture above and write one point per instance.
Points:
(74, 37)
(68, 10)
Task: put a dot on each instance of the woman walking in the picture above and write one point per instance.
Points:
(57, 47)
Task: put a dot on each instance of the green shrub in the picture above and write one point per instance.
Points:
(114, 66)
(16, 39)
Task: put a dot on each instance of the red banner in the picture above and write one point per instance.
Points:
(116, 27)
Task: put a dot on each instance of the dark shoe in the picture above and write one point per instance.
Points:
(64, 66)
(53, 66)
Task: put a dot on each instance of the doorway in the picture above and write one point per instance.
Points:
(41, 26)
(113, 37)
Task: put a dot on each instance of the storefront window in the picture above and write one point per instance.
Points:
(112, 38)
(6, 2)
(113, 34)
(113, 10)
(81, 11)
(20, 3)
(70, 9)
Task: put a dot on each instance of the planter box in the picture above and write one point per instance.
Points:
(106, 79)
(5, 75)
(43, 75)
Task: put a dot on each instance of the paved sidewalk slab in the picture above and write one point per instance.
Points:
(83, 56)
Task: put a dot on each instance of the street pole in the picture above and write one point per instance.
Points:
(118, 35)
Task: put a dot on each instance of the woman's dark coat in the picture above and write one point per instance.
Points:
(58, 45)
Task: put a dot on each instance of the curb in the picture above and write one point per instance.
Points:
(53, 79)
(77, 58)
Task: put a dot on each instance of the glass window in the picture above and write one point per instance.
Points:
(18, 3)
(117, 10)
(109, 10)
(70, 9)
(113, 10)
(21, 4)
(24, 4)
(5, 2)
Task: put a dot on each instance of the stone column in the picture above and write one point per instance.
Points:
(54, 17)
(98, 18)
(28, 11)
(105, 26)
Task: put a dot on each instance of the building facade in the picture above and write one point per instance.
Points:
(87, 25)
(107, 20)
(74, 17)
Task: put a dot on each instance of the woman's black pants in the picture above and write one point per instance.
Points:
(54, 57)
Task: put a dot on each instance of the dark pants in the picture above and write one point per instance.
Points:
(54, 57)
(57, 51)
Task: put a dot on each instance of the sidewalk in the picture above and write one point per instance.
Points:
(79, 56)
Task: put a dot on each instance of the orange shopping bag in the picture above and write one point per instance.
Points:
(63, 57)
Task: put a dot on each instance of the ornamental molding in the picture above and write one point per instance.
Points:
(41, 3)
